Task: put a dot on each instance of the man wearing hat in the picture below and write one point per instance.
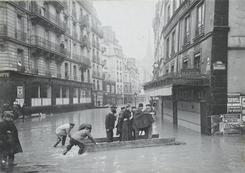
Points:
(110, 123)
(9, 140)
(62, 132)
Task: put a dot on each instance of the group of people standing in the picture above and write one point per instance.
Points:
(131, 121)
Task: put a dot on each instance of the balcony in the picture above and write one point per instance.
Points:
(48, 74)
(58, 75)
(85, 42)
(58, 4)
(43, 16)
(34, 71)
(76, 57)
(86, 61)
(48, 46)
(21, 69)
(13, 34)
(199, 32)
(97, 31)
(84, 21)
(20, 4)
(187, 41)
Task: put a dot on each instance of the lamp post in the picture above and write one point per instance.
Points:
(135, 96)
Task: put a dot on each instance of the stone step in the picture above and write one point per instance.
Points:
(142, 143)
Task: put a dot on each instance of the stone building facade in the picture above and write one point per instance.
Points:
(191, 55)
(46, 53)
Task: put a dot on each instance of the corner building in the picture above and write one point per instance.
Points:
(46, 53)
(190, 68)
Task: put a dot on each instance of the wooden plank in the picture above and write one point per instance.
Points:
(142, 143)
(99, 140)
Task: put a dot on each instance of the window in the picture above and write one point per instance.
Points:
(197, 61)
(20, 57)
(98, 85)
(75, 72)
(200, 19)
(167, 48)
(94, 87)
(168, 13)
(185, 64)
(166, 71)
(187, 30)
(66, 71)
(173, 43)
(108, 88)
(172, 68)
(174, 5)
(20, 23)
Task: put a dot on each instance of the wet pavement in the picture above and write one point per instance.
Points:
(200, 154)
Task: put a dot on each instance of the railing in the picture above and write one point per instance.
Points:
(21, 68)
(54, 19)
(46, 44)
(58, 75)
(34, 71)
(190, 72)
(11, 32)
(21, 4)
(186, 40)
(48, 74)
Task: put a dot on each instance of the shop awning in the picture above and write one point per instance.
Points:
(162, 91)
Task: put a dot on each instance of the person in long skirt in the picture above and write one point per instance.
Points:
(126, 132)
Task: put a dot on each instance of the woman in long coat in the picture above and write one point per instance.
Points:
(126, 130)
(9, 140)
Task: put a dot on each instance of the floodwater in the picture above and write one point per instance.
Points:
(199, 154)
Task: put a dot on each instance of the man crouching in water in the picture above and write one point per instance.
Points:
(78, 137)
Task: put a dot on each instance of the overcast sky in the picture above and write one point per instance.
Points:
(132, 22)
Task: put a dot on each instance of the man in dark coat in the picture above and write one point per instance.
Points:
(9, 140)
(110, 123)
(133, 110)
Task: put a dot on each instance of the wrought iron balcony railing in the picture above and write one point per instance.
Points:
(12, 33)
(34, 71)
(47, 45)
(46, 16)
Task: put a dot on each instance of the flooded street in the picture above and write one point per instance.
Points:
(200, 154)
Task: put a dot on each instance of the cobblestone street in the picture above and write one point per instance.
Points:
(200, 154)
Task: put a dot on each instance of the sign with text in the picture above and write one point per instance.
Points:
(20, 92)
(234, 103)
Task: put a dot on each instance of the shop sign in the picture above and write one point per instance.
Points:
(230, 123)
(20, 92)
(234, 103)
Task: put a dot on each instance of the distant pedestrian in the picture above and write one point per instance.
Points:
(110, 123)
(9, 140)
(78, 139)
(62, 132)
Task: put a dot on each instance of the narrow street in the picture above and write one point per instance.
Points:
(200, 154)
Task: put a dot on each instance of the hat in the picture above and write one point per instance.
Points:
(141, 105)
(85, 125)
(122, 108)
(128, 106)
(148, 104)
(8, 114)
(113, 106)
(133, 107)
(72, 124)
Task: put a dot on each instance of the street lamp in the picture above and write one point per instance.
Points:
(135, 95)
